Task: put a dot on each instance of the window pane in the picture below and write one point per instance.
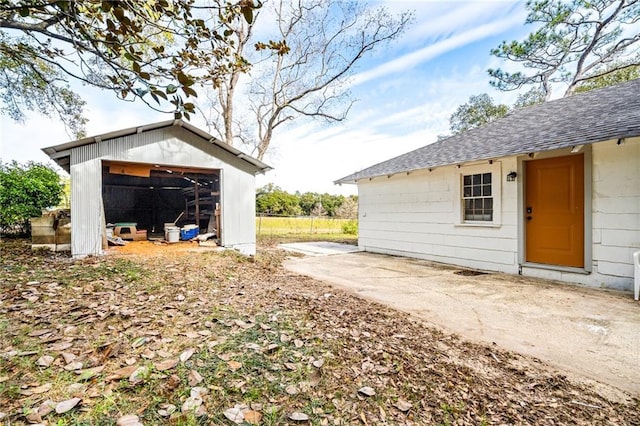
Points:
(468, 204)
(467, 191)
(477, 180)
(477, 191)
(486, 190)
(488, 203)
(467, 180)
(486, 178)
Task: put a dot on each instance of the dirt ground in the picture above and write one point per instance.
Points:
(588, 333)
(187, 337)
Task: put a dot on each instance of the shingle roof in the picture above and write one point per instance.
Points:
(609, 113)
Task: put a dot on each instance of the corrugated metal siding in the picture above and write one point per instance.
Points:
(87, 220)
(162, 146)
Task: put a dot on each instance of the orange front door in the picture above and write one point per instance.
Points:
(554, 211)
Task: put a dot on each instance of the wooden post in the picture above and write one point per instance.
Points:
(197, 202)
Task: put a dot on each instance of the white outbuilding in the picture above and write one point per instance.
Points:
(551, 191)
(152, 175)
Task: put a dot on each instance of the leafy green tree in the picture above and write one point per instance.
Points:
(331, 202)
(271, 199)
(24, 191)
(155, 51)
(308, 201)
(575, 42)
(619, 76)
(479, 110)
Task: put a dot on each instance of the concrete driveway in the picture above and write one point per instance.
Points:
(589, 333)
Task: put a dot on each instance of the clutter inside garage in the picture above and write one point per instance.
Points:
(158, 202)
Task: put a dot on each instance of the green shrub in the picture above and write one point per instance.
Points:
(24, 191)
(350, 227)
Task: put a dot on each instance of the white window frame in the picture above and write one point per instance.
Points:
(496, 193)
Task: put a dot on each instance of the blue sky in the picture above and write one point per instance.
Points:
(405, 93)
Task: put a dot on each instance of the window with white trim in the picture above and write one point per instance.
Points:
(477, 197)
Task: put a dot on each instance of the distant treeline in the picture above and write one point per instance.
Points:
(271, 199)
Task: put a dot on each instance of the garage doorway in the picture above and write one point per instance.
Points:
(152, 195)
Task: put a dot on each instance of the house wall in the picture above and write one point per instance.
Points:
(615, 217)
(417, 215)
(167, 146)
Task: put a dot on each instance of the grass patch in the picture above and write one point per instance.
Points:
(301, 225)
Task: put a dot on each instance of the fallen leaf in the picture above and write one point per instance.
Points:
(298, 343)
(252, 417)
(290, 366)
(41, 389)
(45, 360)
(46, 407)
(292, 390)
(138, 374)
(37, 333)
(72, 366)
(234, 365)
(68, 357)
(314, 378)
(367, 391)
(318, 363)
(191, 404)
(88, 373)
(167, 364)
(122, 373)
(298, 416)
(234, 414)
(69, 404)
(284, 338)
(129, 420)
(194, 377)
(403, 405)
(61, 346)
(184, 356)
(167, 409)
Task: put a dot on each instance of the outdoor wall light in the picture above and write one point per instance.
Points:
(511, 176)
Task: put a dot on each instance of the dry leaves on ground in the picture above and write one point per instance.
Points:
(216, 338)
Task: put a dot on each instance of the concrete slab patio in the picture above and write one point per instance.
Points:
(591, 334)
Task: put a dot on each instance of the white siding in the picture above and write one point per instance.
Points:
(616, 211)
(418, 215)
(166, 146)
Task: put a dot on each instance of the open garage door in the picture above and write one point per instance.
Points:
(152, 195)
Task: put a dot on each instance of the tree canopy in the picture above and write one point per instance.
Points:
(576, 42)
(479, 110)
(271, 199)
(151, 50)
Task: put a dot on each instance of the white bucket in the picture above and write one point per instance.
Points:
(172, 234)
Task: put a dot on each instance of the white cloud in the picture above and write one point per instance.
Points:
(412, 59)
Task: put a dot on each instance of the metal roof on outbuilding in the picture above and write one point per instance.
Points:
(603, 114)
(61, 153)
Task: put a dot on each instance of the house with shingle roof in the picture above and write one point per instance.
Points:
(551, 191)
